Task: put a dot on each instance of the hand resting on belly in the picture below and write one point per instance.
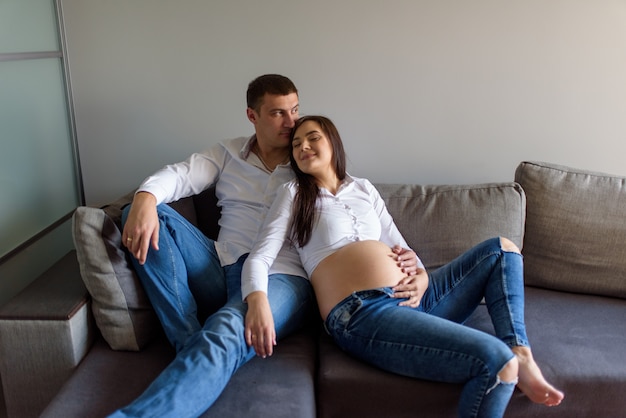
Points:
(360, 265)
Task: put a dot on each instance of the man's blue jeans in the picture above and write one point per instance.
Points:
(182, 275)
(430, 342)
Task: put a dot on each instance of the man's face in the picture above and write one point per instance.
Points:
(275, 119)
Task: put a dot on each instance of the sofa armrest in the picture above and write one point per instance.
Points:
(45, 331)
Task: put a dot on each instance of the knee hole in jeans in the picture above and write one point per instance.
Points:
(508, 245)
(509, 372)
(507, 375)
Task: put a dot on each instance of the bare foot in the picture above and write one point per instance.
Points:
(531, 380)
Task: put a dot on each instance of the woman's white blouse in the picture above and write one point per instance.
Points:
(356, 212)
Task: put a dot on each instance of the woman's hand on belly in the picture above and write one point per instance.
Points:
(411, 288)
(360, 265)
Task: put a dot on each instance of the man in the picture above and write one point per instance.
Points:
(182, 269)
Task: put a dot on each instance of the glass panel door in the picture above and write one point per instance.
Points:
(39, 184)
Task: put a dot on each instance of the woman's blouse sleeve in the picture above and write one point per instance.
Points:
(272, 235)
(390, 234)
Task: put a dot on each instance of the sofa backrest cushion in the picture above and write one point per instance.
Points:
(442, 221)
(119, 304)
(575, 229)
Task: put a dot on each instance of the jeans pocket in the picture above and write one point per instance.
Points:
(339, 317)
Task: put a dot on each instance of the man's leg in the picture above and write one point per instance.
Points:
(292, 301)
(203, 368)
(192, 382)
(186, 260)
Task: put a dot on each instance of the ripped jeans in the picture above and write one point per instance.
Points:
(429, 342)
(183, 276)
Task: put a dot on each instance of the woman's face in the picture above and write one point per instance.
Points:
(312, 150)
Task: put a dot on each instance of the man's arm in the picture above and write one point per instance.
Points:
(172, 182)
(141, 229)
(407, 260)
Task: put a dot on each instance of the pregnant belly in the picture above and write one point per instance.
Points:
(357, 266)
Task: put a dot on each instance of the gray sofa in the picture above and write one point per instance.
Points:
(82, 348)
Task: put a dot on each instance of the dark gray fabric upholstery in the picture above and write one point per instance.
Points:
(577, 340)
(576, 228)
(441, 222)
(281, 386)
(121, 307)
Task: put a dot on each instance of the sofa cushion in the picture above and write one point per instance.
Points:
(121, 309)
(575, 229)
(441, 222)
(280, 386)
(577, 340)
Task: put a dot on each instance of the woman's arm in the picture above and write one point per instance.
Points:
(412, 288)
(259, 331)
(269, 241)
(390, 234)
(415, 284)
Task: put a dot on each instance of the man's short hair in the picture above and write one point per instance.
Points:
(271, 84)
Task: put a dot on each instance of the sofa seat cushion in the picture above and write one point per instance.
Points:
(577, 340)
(575, 229)
(348, 387)
(280, 386)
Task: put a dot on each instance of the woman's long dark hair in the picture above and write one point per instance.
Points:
(304, 214)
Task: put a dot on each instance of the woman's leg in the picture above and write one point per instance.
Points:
(493, 269)
(371, 326)
(485, 271)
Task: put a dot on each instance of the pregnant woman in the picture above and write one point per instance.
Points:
(345, 235)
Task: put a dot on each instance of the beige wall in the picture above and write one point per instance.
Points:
(423, 91)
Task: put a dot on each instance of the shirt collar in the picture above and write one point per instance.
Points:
(247, 148)
(347, 181)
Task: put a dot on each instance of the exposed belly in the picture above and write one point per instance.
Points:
(357, 266)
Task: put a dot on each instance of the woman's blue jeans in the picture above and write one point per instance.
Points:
(184, 274)
(430, 342)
